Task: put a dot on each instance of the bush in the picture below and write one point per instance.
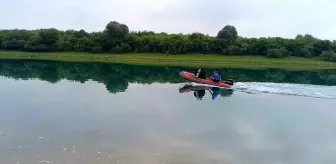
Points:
(125, 47)
(333, 57)
(284, 52)
(97, 49)
(306, 52)
(117, 50)
(277, 53)
(14, 44)
(328, 55)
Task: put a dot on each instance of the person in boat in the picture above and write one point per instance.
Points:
(200, 73)
(215, 77)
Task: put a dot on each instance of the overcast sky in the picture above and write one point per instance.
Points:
(252, 18)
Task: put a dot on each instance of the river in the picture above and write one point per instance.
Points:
(92, 113)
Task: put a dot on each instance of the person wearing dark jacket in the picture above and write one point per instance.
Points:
(200, 73)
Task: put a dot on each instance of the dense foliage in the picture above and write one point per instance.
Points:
(116, 77)
(117, 38)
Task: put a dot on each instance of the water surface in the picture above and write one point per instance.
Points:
(84, 113)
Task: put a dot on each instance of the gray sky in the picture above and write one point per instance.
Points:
(252, 18)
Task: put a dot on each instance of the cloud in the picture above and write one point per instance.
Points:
(251, 18)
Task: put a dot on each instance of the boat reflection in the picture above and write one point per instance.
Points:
(199, 91)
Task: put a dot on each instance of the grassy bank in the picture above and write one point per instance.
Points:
(190, 60)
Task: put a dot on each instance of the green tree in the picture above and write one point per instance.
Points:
(225, 38)
(229, 33)
(321, 45)
(333, 46)
(117, 38)
(114, 33)
(49, 38)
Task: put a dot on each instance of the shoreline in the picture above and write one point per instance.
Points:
(185, 60)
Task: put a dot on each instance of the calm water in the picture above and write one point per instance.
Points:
(76, 113)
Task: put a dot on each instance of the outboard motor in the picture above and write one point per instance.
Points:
(230, 82)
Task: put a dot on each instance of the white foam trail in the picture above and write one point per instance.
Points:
(317, 91)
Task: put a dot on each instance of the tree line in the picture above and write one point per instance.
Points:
(117, 38)
(116, 77)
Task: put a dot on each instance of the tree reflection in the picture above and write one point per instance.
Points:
(116, 77)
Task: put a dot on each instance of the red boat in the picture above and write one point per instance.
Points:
(191, 77)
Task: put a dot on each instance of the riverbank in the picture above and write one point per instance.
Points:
(186, 60)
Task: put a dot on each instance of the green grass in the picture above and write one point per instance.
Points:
(189, 60)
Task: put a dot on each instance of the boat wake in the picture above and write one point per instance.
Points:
(316, 91)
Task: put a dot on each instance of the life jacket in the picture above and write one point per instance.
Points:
(216, 76)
